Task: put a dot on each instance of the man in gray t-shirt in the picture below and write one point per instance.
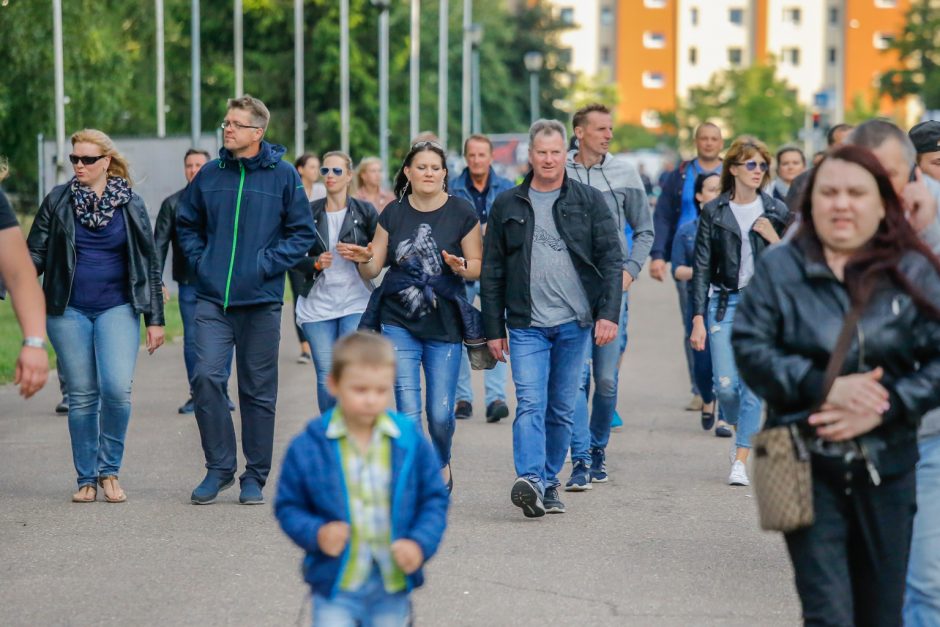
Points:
(557, 294)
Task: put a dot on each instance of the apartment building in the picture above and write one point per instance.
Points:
(589, 42)
(647, 60)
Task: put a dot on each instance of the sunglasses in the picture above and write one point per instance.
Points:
(85, 160)
(425, 144)
(753, 165)
(336, 171)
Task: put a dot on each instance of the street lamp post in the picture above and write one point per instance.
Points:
(298, 77)
(466, 88)
(383, 6)
(533, 63)
(415, 119)
(344, 75)
(196, 104)
(443, 38)
(238, 27)
(161, 74)
(59, 91)
(476, 38)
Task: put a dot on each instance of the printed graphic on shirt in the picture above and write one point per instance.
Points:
(544, 238)
(419, 255)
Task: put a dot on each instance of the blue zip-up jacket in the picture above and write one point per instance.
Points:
(242, 223)
(312, 492)
(460, 187)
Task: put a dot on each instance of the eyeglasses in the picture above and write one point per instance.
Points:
(336, 171)
(753, 165)
(86, 160)
(238, 126)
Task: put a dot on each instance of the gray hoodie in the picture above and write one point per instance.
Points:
(623, 190)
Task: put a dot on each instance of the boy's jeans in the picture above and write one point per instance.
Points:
(369, 606)
(546, 369)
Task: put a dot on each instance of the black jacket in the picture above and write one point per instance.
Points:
(51, 244)
(164, 234)
(786, 326)
(358, 228)
(590, 233)
(717, 258)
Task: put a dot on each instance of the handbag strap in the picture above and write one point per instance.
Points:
(840, 352)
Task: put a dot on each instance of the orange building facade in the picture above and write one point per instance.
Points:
(870, 25)
(646, 60)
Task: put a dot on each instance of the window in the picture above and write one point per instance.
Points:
(654, 4)
(793, 15)
(882, 41)
(736, 16)
(650, 119)
(566, 15)
(693, 56)
(694, 16)
(792, 56)
(605, 55)
(833, 56)
(654, 80)
(886, 4)
(735, 56)
(654, 40)
(607, 16)
(833, 16)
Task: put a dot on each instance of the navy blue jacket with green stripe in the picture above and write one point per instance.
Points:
(241, 224)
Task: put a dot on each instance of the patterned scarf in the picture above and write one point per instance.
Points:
(95, 213)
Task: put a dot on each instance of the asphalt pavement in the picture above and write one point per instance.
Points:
(665, 542)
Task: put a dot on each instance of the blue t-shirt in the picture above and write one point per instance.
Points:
(101, 279)
(688, 210)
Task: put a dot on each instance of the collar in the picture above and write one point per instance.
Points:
(383, 424)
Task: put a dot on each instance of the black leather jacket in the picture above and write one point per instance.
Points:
(590, 233)
(717, 258)
(786, 326)
(358, 228)
(164, 234)
(51, 244)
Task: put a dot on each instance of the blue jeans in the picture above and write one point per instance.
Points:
(703, 377)
(98, 353)
(369, 606)
(494, 380)
(187, 303)
(685, 309)
(739, 405)
(322, 335)
(922, 601)
(595, 433)
(546, 364)
(441, 362)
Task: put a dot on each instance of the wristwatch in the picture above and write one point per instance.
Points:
(34, 342)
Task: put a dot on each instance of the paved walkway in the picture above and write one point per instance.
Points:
(666, 542)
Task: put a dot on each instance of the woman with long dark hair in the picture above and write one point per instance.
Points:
(855, 251)
(734, 229)
(93, 244)
(432, 243)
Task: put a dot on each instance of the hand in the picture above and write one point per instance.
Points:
(456, 264)
(699, 334)
(354, 253)
(498, 348)
(920, 206)
(32, 369)
(166, 295)
(324, 261)
(859, 393)
(154, 338)
(332, 537)
(837, 425)
(658, 269)
(765, 229)
(408, 555)
(627, 281)
(604, 332)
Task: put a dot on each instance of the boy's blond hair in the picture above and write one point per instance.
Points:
(361, 348)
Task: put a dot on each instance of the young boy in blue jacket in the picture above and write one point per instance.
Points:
(361, 492)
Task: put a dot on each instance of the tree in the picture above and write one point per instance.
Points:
(918, 55)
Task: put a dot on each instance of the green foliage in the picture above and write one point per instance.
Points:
(637, 137)
(917, 48)
(861, 110)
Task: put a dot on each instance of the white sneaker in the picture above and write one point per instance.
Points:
(738, 474)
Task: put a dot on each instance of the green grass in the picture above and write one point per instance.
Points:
(11, 337)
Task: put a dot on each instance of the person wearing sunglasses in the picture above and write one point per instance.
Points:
(734, 229)
(333, 294)
(92, 243)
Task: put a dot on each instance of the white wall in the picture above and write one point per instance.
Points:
(712, 37)
(583, 39)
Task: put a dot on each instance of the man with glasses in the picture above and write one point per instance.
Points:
(243, 221)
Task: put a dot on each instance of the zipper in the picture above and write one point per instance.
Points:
(238, 206)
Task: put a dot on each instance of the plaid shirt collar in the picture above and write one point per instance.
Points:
(383, 424)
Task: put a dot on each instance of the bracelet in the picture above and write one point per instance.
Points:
(369, 260)
(34, 342)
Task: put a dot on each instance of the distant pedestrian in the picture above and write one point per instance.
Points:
(243, 221)
(552, 271)
(926, 139)
(733, 231)
(369, 178)
(854, 250)
(359, 492)
(334, 295)
(790, 163)
(836, 136)
(93, 245)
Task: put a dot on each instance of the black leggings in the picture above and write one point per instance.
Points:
(296, 280)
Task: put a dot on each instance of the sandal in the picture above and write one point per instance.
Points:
(112, 482)
(78, 498)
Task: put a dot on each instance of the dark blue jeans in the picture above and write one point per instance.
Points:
(187, 302)
(255, 332)
(701, 363)
(546, 367)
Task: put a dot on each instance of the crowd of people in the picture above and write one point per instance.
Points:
(769, 270)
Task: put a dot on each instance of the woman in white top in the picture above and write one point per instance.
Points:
(333, 296)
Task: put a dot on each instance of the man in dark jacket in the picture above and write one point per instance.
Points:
(243, 221)
(551, 271)
(165, 235)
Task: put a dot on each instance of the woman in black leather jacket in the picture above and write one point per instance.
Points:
(333, 295)
(854, 246)
(723, 265)
(93, 245)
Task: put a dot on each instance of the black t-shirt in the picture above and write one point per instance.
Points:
(7, 217)
(425, 234)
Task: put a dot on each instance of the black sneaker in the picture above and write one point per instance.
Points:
(496, 411)
(463, 410)
(63, 407)
(525, 495)
(189, 407)
(553, 504)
